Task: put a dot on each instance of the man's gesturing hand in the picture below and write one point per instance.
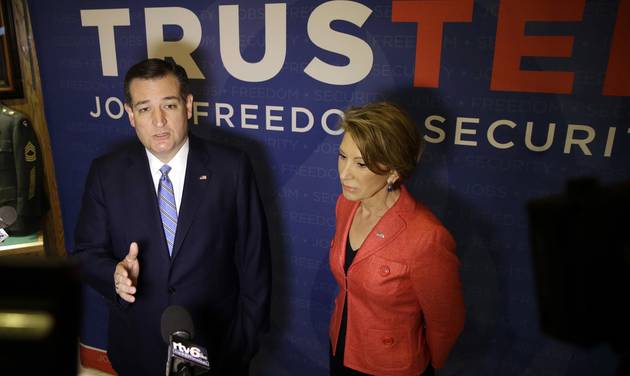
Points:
(126, 274)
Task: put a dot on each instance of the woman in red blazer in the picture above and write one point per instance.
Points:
(400, 308)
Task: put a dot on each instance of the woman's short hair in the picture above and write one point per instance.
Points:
(386, 137)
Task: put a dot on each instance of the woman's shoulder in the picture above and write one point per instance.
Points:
(416, 213)
(426, 226)
(425, 217)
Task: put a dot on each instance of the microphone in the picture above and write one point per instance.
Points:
(184, 357)
(8, 215)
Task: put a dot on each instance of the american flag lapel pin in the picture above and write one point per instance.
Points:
(203, 177)
(380, 235)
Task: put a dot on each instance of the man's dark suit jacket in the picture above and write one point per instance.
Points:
(219, 270)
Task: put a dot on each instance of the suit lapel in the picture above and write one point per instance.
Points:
(140, 195)
(345, 232)
(195, 185)
(386, 229)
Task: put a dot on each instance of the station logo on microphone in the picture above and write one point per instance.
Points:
(186, 350)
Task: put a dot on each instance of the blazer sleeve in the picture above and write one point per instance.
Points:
(252, 257)
(436, 281)
(92, 241)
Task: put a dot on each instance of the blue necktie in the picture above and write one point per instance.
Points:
(168, 209)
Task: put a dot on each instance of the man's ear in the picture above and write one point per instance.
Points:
(189, 105)
(129, 112)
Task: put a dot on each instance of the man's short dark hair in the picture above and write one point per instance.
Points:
(150, 69)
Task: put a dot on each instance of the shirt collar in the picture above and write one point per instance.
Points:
(178, 162)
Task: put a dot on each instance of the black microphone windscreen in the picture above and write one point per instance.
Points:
(8, 215)
(176, 319)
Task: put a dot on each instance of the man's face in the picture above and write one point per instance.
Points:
(159, 115)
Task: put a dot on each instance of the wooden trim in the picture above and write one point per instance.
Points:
(35, 248)
(33, 106)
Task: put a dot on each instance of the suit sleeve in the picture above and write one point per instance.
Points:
(252, 259)
(92, 242)
(435, 277)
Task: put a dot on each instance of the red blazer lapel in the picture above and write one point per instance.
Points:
(385, 231)
(345, 214)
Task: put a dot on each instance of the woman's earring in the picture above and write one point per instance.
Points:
(390, 187)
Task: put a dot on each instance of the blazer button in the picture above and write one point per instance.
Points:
(388, 341)
(383, 270)
(171, 290)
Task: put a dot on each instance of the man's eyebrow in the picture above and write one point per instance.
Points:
(170, 97)
(140, 102)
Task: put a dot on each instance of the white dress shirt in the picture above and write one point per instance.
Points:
(177, 174)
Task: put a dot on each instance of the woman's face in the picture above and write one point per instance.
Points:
(357, 181)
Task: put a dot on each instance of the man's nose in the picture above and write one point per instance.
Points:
(158, 118)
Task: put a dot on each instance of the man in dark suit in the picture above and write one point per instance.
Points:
(174, 220)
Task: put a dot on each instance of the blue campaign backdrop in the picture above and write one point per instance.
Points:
(272, 79)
